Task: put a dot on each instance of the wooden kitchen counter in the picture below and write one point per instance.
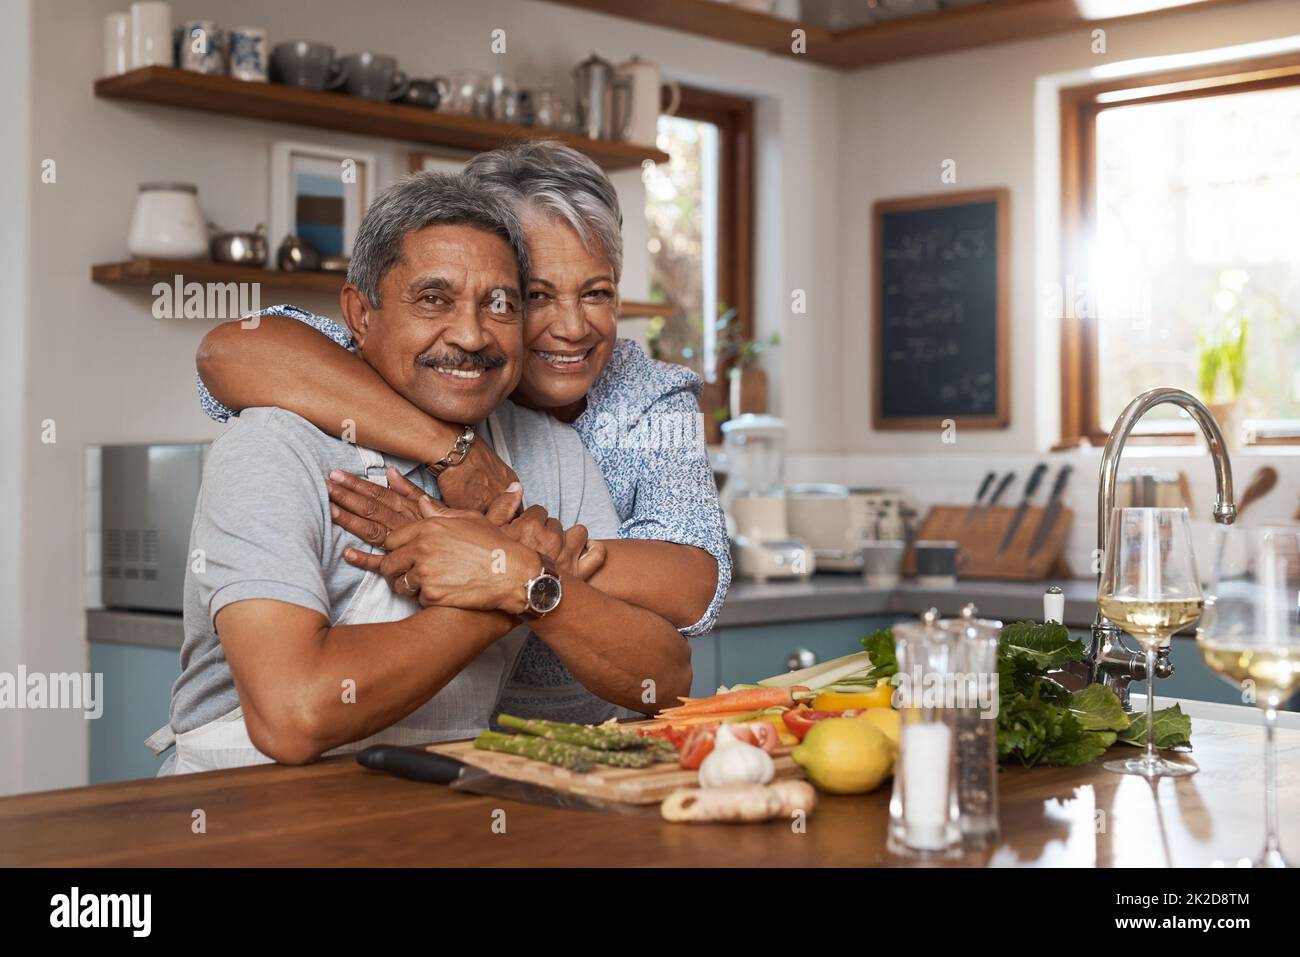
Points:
(336, 813)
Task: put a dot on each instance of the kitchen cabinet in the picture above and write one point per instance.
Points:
(137, 698)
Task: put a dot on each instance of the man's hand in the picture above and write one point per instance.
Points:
(455, 558)
(475, 482)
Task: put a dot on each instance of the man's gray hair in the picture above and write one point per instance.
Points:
(422, 200)
(556, 180)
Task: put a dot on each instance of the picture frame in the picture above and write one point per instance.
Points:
(312, 199)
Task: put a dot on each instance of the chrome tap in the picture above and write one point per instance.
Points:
(1109, 660)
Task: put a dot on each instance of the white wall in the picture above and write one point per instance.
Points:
(978, 108)
(106, 371)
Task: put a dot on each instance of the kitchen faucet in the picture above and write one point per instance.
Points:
(1109, 660)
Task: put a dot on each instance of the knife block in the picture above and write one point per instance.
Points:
(982, 536)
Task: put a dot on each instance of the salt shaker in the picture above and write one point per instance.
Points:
(923, 811)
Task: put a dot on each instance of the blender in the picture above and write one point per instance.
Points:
(755, 504)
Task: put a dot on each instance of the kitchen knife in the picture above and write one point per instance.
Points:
(419, 764)
(979, 497)
(997, 492)
(1035, 477)
(1053, 509)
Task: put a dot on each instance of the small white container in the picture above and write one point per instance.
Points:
(167, 222)
(117, 44)
(151, 34)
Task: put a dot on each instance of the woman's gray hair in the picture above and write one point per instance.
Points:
(556, 180)
(429, 199)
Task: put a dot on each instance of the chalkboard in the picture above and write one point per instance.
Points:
(940, 319)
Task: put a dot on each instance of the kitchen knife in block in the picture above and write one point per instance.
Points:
(1052, 511)
(1035, 479)
(979, 497)
(980, 541)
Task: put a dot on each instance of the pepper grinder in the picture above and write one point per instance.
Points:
(975, 721)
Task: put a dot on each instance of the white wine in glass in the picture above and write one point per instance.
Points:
(1150, 589)
(1250, 635)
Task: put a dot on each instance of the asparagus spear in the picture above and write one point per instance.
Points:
(564, 755)
(572, 756)
(599, 739)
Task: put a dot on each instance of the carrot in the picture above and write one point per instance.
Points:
(748, 699)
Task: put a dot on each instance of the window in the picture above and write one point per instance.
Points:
(699, 210)
(1181, 204)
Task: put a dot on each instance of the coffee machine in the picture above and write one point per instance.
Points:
(755, 503)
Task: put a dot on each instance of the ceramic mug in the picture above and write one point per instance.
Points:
(248, 54)
(937, 563)
(373, 76)
(203, 48)
(311, 66)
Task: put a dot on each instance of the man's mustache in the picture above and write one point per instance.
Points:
(460, 359)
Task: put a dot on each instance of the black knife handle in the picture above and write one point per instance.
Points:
(1002, 487)
(1035, 479)
(414, 763)
(1059, 485)
(985, 486)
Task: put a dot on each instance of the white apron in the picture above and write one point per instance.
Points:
(461, 709)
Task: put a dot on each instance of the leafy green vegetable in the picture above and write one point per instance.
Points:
(1097, 708)
(1047, 646)
(1173, 729)
(880, 648)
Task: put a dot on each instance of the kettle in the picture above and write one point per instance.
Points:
(646, 96)
(599, 94)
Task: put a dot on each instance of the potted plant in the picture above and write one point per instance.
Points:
(739, 354)
(1221, 368)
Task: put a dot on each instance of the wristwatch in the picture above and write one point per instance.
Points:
(542, 594)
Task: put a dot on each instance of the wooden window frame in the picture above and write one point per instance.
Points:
(734, 118)
(1080, 107)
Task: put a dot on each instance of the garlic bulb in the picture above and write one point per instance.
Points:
(735, 762)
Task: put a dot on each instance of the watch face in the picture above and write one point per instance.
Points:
(544, 593)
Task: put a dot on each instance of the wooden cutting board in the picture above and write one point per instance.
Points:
(625, 785)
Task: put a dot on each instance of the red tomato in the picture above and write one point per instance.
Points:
(761, 734)
(801, 720)
(698, 744)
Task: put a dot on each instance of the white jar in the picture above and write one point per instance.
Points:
(167, 222)
(117, 44)
(151, 34)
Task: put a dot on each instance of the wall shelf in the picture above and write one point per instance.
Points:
(168, 86)
(146, 272)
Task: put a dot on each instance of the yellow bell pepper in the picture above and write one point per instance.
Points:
(878, 697)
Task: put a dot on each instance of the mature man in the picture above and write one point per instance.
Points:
(290, 651)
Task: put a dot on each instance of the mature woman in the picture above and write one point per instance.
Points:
(638, 418)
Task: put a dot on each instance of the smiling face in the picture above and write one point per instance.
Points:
(570, 323)
(449, 337)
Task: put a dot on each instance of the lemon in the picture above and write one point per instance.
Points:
(887, 720)
(845, 756)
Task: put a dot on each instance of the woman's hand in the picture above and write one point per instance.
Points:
(477, 481)
(372, 512)
(455, 558)
(568, 548)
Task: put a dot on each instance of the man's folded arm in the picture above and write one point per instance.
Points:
(306, 687)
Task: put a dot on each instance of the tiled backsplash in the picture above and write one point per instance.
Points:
(953, 478)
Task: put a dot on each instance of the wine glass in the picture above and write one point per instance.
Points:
(1250, 635)
(1150, 589)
